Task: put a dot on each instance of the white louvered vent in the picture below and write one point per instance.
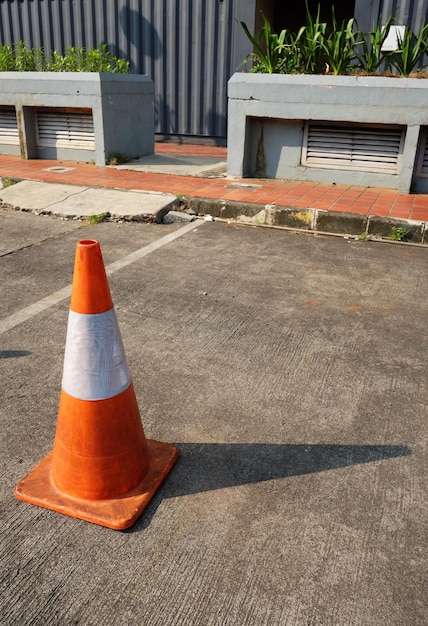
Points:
(65, 129)
(8, 127)
(353, 146)
(422, 168)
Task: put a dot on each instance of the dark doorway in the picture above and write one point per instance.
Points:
(294, 17)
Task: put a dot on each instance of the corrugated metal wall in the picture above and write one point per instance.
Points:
(413, 13)
(188, 47)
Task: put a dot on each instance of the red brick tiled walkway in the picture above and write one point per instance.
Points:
(342, 198)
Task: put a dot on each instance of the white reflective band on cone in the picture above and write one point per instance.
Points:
(95, 366)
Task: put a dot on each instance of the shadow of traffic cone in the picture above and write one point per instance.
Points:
(102, 468)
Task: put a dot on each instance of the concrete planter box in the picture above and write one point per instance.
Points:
(80, 116)
(352, 130)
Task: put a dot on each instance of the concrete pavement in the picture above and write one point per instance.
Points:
(291, 372)
(74, 201)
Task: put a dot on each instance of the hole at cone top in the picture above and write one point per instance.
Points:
(88, 242)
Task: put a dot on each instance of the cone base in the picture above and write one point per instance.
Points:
(117, 513)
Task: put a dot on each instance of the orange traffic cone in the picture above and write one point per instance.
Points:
(102, 468)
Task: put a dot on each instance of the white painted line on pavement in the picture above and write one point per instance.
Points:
(24, 314)
(58, 296)
(151, 247)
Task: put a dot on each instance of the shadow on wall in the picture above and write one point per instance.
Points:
(141, 34)
(174, 114)
(205, 467)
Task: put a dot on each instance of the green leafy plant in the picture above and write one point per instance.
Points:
(74, 60)
(100, 217)
(121, 66)
(370, 55)
(23, 57)
(81, 60)
(320, 47)
(398, 233)
(411, 50)
(310, 41)
(340, 46)
(7, 182)
(268, 48)
(19, 58)
(57, 63)
(7, 62)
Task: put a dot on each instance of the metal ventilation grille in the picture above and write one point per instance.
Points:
(353, 146)
(8, 127)
(422, 168)
(65, 129)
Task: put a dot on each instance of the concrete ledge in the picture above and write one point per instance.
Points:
(271, 116)
(312, 220)
(121, 109)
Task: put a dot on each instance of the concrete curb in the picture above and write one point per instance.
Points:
(312, 220)
(81, 202)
